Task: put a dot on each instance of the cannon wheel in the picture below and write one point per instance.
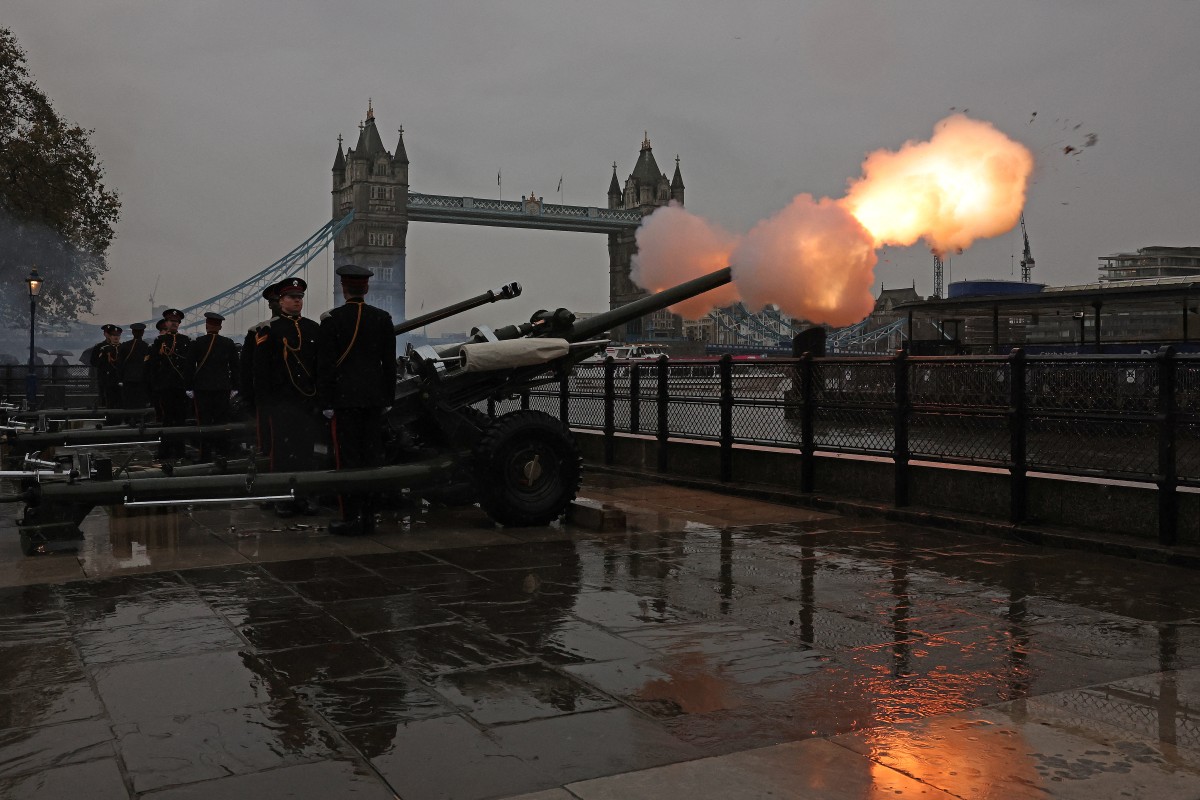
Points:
(528, 468)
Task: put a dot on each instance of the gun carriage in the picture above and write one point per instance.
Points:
(523, 468)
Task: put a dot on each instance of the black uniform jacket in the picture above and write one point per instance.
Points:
(285, 361)
(215, 365)
(357, 357)
(131, 360)
(104, 359)
(167, 362)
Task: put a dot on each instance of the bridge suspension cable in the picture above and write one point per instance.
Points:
(249, 291)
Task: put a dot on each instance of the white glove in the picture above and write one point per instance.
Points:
(327, 413)
(190, 394)
(233, 393)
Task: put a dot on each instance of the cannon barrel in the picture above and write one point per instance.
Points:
(29, 442)
(80, 413)
(505, 292)
(594, 327)
(234, 486)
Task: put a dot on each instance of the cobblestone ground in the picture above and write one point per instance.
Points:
(707, 646)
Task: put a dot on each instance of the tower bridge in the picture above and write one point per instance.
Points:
(372, 207)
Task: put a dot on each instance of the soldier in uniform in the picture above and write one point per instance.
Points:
(215, 373)
(131, 366)
(285, 379)
(262, 421)
(356, 382)
(104, 361)
(169, 371)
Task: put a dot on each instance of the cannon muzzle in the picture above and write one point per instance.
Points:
(506, 292)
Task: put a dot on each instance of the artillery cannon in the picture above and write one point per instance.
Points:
(524, 467)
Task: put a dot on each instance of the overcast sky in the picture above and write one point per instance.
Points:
(217, 122)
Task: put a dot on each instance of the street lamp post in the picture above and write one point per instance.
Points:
(31, 378)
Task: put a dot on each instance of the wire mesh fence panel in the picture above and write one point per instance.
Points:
(1187, 386)
(854, 381)
(764, 424)
(1117, 447)
(976, 438)
(545, 401)
(587, 410)
(854, 429)
(1108, 385)
(507, 405)
(762, 379)
(972, 383)
(1187, 450)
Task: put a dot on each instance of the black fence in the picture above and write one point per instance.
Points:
(54, 382)
(1126, 417)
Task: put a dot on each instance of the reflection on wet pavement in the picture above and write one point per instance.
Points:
(714, 647)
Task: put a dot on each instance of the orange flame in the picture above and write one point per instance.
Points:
(966, 183)
(815, 259)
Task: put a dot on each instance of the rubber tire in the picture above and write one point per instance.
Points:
(499, 460)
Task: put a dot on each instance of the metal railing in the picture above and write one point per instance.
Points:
(68, 379)
(1125, 417)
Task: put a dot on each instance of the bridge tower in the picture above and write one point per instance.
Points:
(646, 189)
(373, 183)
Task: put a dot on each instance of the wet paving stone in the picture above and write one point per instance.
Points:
(36, 750)
(507, 557)
(521, 667)
(168, 606)
(572, 641)
(48, 704)
(34, 663)
(1025, 751)
(428, 578)
(160, 640)
(320, 779)
(300, 632)
(582, 746)
(332, 590)
(95, 780)
(372, 700)
(16, 601)
(123, 586)
(432, 650)
(185, 685)
(390, 613)
(226, 584)
(459, 762)
(180, 749)
(314, 569)
(303, 665)
(518, 693)
(40, 626)
(395, 560)
(255, 612)
(618, 610)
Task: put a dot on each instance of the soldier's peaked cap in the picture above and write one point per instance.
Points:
(271, 292)
(110, 328)
(158, 326)
(138, 326)
(354, 272)
(214, 316)
(173, 313)
(292, 286)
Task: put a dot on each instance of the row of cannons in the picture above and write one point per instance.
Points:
(523, 468)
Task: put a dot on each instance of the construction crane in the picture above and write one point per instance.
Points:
(1027, 258)
(938, 272)
(153, 293)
